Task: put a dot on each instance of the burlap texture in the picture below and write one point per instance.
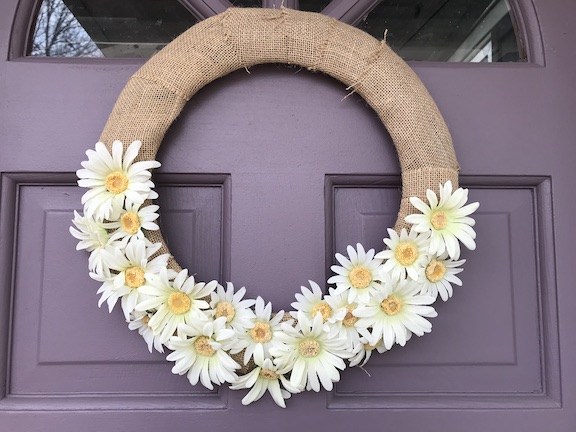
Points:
(239, 38)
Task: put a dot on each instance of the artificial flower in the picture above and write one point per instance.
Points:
(133, 219)
(258, 336)
(134, 269)
(229, 304)
(139, 321)
(357, 275)
(93, 237)
(448, 220)
(114, 179)
(393, 312)
(264, 378)
(345, 325)
(312, 302)
(406, 254)
(176, 302)
(363, 351)
(313, 357)
(438, 276)
(199, 351)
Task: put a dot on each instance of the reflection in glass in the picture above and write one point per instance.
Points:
(246, 3)
(104, 28)
(59, 34)
(446, 30)
(313, 5)
(433, 30)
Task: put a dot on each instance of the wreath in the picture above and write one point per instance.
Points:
(374, 300)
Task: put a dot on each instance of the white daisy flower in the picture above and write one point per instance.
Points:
(134, 270)
(139, 321)
(133, 220)
(105, 277)
(176, 302)
(439, 275)
(312, 356)
(199, 351)
(258, 336)
(344, 327)
(262, 378)
(226, 303)
(448, 220)
(357, 275)
(406, 254)
(93, 237)
(313, 302)
(113, 179)
(363, 351)
(393, 313)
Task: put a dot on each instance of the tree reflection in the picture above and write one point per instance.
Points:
(59, 34)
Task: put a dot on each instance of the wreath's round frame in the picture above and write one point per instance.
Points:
(241, 38)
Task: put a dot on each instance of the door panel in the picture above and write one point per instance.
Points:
(265, 176)
(497, 361)
(57, 330)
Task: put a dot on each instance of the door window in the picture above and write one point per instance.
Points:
(439, 30)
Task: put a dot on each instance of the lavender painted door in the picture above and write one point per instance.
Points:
(264, 177)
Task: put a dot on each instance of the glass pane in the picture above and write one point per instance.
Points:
(446, 30)
(107, 28)
(246, 3)
(313, 5)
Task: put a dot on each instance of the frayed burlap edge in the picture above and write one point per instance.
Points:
(240, 38)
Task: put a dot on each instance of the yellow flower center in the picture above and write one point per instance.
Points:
(134, 277)
(369, 347)
(179, 303)
(435, 271)
(203, 347)
(116, 182)
(391, 305)
(309, 348)
(439, 220)
(225, 309)
(406, 253)
(146, 320)
(261, 332)
(349, 320)
(130, 222)
(360, 277)
(268, 374)
(324, 309)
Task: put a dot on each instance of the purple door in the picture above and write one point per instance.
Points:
(265, 176)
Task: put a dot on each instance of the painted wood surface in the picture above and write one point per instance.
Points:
(265, 175)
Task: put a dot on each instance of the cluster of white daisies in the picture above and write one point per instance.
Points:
(377, 300)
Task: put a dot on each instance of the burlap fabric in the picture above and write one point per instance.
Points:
(241, 38)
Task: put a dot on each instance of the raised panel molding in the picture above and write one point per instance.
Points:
(495, 343)
(58, 350)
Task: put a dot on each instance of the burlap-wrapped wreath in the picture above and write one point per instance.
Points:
(215, 335)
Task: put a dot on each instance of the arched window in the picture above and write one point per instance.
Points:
(432, 30)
